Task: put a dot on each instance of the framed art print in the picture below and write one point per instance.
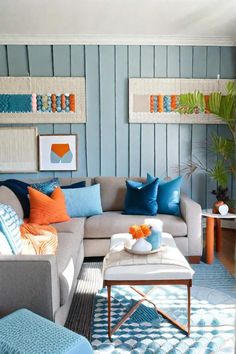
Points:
(58, 152)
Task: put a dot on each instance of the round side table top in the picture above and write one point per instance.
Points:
(208, 212)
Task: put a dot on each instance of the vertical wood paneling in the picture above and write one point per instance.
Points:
(122, 130)
(160, 61)
(173, 67)
(160, 70)
(61, 54)
(78, 69)
(3, 61)
(93, 110)
(172, 150)
(185, 153)
(199, 154)
(199, 62)
(213, 62)
(228, 62)
(135, 129)
(107, 109)
(17, 60)
(77, 60)
(210, 162)
(173, 70)
(186, 62)
(108, 145)
(147, 130)
(40, 60)
(61, 60)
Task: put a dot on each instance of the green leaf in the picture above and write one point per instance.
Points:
(219, 173)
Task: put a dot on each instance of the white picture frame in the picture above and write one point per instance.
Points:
(18, 150)
(58, 152)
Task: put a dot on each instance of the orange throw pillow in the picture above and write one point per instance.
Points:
(45, 210)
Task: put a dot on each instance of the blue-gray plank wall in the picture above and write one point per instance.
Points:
(108, 145)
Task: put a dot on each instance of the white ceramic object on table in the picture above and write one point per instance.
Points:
(223, 209)
(141, 245)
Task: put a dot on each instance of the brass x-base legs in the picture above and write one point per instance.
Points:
(145, 298)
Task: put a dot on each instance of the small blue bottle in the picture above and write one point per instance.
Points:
(155, 238)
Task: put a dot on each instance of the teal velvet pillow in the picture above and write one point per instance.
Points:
(141, 199)
(168, 197)
(84, 201)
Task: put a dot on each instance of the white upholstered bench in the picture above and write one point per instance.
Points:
(166, 267)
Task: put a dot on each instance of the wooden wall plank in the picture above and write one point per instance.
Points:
(77, 60)
(122, 126)
(199, 154)
(186, 62)
(40, 60)
(107, 109)
(213, 62)
(173, 67)
(160, 61)
(3, 61)
(147, 130)
(134, 69)
(211, 159)
(17, 60)
(93, 111)
(172, 150)
(199, 62)
(185, 154)
(78, 69)
(61, 60)
(228, 63)
(160, 70)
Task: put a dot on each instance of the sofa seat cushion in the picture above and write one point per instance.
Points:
(113, 222)
(69, 243)
(74, 225)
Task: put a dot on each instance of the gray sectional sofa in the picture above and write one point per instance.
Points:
(45, 284)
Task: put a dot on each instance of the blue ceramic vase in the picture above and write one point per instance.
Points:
(155, 239)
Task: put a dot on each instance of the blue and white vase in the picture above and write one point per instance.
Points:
(156, 234)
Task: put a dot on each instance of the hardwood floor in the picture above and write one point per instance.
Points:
(228, 254)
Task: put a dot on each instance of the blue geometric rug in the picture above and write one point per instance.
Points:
(213, 300)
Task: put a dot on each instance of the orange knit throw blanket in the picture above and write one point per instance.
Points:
(38, 239)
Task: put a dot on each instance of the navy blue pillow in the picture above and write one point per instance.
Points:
(142, 199)
(21, 191)
(75, 185)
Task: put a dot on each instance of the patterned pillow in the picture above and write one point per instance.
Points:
(10, 227)
(46, 187)
(5, 248)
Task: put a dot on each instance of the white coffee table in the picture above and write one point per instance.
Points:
(211, 220)
(167, 267)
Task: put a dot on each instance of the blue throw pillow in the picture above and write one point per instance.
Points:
(141, 199)
(83, 201)
(46, 187)
(21, 190)
(10, 227)
(168, 197)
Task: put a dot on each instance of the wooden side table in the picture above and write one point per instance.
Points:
(213, 219)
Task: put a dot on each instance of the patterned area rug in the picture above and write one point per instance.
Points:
(212, 320)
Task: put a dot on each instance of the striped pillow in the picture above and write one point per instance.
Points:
(10, 227)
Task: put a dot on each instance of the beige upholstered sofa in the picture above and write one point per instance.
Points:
(45, 284)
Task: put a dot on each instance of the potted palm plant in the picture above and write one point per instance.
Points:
(223, 106)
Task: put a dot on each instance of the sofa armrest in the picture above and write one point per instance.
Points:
(192, 214)
(30, 282)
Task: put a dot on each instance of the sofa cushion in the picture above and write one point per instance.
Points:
(74, 225)
(8, 197)
(113, 190)
(113, 222)
(69, 244)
